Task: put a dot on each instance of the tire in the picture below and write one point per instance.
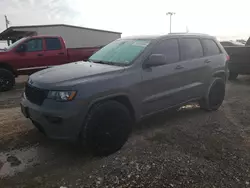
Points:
(232, 76)
(215, 96)
(107, 128)
(7, 80)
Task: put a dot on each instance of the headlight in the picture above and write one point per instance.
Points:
(62, 95)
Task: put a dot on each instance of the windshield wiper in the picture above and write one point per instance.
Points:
(103, 62)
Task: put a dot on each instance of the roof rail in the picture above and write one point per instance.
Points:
(185, 33)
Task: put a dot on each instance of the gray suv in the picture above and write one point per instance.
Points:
(129, 79)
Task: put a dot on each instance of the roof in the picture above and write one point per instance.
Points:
(61, 25)
(189, 34)
(12, 30)
(10, 33)
(142, 37)
(152, 37)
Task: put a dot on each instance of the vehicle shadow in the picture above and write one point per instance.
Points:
(52, 153)
(77, 150)
(10, 99)
(241, 80)
(166, 117)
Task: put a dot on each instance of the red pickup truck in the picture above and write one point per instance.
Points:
(31, 54)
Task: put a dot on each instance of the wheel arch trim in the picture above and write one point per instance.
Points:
(115, 97)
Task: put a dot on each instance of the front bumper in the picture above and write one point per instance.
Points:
(57, 120)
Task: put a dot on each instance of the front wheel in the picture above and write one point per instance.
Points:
(215, 96)
(107, 127)
(7, 80)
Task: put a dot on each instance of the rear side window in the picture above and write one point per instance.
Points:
(169, 48)
(190, 49)
(210, 47)
(53, 44)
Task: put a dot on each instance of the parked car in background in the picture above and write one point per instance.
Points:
(242, 41)
(231, 43)
(127, 80)
(31, 54)
(239, 60)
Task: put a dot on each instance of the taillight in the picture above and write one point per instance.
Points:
(228, 57)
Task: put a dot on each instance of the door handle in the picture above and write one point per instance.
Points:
(207, 61)
(39, 54)
(179, 67)
(61, 53)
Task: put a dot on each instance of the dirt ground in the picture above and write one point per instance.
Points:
(188, 148)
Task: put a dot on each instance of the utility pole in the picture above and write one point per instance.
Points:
(7, 22)
(170, 21)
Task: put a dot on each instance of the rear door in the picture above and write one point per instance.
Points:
(193, 62)
(214, 57)
(55, 54)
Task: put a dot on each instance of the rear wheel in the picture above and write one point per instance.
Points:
(107, 127)
(233, 75)
(7, 80)
(215, 97)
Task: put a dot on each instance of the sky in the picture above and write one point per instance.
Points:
(222, 18)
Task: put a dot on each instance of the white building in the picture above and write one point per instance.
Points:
(74, 36)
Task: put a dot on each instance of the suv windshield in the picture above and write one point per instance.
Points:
(10, 47)
(120, 52)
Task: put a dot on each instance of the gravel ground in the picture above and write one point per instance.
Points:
(188, 148)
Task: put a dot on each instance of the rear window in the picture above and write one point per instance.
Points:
(190, 48)
(210, 47)
(53, 44)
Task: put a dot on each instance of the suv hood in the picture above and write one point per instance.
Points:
(71, 74)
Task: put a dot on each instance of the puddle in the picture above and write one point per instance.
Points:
(16, 161)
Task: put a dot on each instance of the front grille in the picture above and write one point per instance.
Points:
(35, 95)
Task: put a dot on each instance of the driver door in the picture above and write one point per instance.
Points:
(32, 59)
(161, 83)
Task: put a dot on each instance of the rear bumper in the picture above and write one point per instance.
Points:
(57, 120)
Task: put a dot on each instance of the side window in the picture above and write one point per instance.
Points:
(210, 47)
(169, 48)
(34, 45)
(190, 48)
(53, 44)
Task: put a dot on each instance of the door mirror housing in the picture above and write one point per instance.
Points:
(155, 60)
(21, 48)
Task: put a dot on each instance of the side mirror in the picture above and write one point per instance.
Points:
(155, 60)
(21, 48)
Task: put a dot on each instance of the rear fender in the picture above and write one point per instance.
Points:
(221, 74)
